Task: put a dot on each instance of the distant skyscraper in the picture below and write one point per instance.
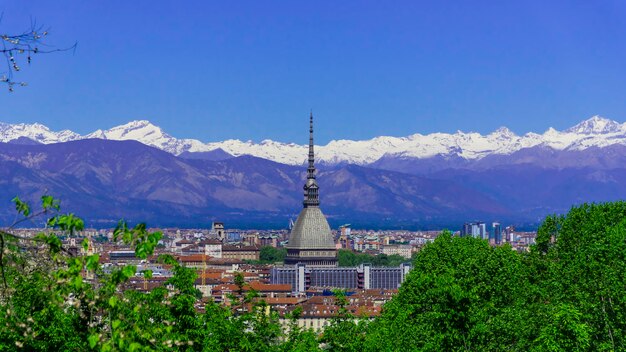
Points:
(311, 241)
(482, 231)
(475, 229)
(510, 233)
(496, 230)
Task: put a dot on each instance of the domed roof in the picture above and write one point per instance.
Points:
(311, 231)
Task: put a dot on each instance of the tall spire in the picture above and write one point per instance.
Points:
(311, 189)
(311, 168)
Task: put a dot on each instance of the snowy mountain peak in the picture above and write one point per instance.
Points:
(139, 130)
(146, 132)
(594, 132)
(132, 130)
(596, 125)
(36, 132)
(503, 132)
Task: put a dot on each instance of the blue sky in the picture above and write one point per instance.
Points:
(253, 69)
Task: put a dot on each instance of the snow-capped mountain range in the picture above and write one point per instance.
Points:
(594, 132)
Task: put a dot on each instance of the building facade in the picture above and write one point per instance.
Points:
(475, 229)
(302, 277)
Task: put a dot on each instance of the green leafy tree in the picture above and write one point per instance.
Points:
(345, 332)
(348, 258)
(584, 277)
(298, 339)
(271, 255)
(462, 294)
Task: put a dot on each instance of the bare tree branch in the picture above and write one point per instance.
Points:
(20, 48)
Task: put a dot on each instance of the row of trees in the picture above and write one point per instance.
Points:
(272, 255)
(566, 294)
(348, 258)
(345, 258)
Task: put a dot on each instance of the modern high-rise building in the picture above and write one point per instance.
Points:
(311, 242)
(509, 232)
(475, 229)
(496, 233)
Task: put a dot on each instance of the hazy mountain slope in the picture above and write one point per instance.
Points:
(106, 180)
(535, 192)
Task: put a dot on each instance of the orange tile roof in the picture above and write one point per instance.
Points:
(194, 258)
(210, 275)
(255, 285)
(281, 300)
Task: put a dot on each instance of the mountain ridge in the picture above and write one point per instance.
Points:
(593, 132)
(105, 180)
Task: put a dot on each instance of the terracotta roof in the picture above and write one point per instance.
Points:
(231, 248)
(210, 241)
(215, 276)
(281, 300)
(208, 281)
(194, 258)
(257, 286)
(261, 287)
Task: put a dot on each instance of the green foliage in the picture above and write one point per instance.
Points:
(348, 258)
(567, 294)
(460, 295)
(297, 339)
(584, 277)
(21, 207)
(143, 241)
(61, 302)
(564, 330)
(271, 255)
(345, 333)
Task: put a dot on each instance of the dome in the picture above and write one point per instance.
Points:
(311, 231)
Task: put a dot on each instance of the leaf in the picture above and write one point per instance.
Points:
(167, 259)
(77, 281)
(93, 340)
(48, 202)
(120, 230)
(52, 222)
(53, 242)
(93, 261)
(21, 207)
(129, 270)
(70, 222)
(113, 301)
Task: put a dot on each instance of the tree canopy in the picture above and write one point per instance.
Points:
(348, 258)
(271, 255)
(566, 294)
